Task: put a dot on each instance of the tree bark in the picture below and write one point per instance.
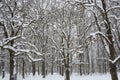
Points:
(43, 69)
(23, 69)
(62, 71)
(3, 69)
(11, 65)
(113, 69)
(67, 74)
(52, 69)
(38, 68)
(33, 68)
(3, 64)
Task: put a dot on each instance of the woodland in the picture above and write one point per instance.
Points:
(59, 36)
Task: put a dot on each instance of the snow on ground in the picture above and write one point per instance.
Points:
(75, 76)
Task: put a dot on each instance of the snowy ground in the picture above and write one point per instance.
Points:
(73, 77)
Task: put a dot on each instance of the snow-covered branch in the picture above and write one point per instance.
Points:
(10, 48)
(114, 7)
(99, 33)
(17, 51)
(26, 44)
(114, 16)
(115, 60)
(32, 59)
(80, 52)
(56, 46)
(7, 40)
(28, 51)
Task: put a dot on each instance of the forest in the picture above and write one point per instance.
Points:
(63, 37)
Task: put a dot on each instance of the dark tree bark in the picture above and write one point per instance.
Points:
(67, 66)
(43, 68)
(33, 68)
(113, 68)
(62, 71)
(52, 69)
(3, 64)
(11, 65)
(67, 72)
(23, 69)
(3, 69)
(38, 68)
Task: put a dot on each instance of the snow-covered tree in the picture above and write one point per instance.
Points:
(15, 18)
(106, 24)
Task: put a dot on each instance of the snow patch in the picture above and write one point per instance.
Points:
(55, 76)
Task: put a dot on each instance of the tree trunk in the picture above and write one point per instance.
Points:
(3, 69)
(67, 68)
(80, 69)
(113, 69)
(23, 69)
(113, 72)
(43, 69)
(52, 69)
(67, 74)
(62, 71)
(33, 68)
(11, 65)
(3, 64)
(38, 69)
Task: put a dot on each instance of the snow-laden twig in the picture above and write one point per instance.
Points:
(10, 48)
(115, 60)
(99, 33)
(28, 50)
(17, 51)
(30, 44)
(7, 40)
(114, 7)
(32, 59)
(61, 32)
(80, 52)
(56, 46)
(21, 50)
(114, 16)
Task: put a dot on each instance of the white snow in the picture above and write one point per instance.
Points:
(74, 76)
(80, 51)
(90, 5)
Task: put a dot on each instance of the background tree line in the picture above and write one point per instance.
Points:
(56, 36)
